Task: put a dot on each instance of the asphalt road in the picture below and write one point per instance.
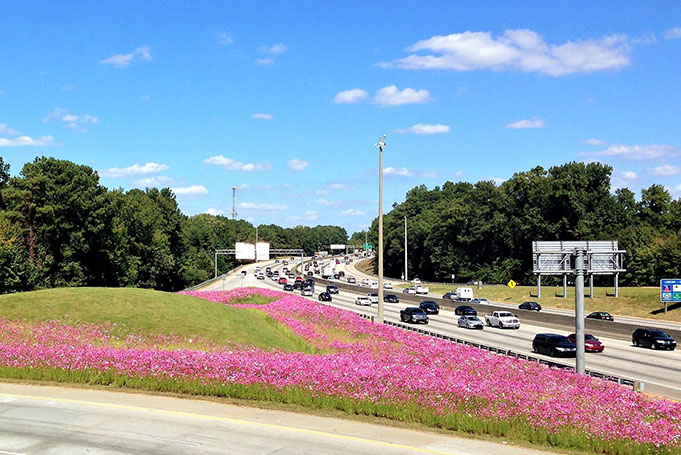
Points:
(658, 370)
(41, 420)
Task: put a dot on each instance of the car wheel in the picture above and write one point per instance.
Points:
(501, 325)
(488, 323)
(411, 319)
(635, 343)
(553, 353)
(653, 346)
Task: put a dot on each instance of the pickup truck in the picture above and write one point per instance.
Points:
(502, 319)
(422, 289)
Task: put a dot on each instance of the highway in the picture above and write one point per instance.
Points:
(659, 370)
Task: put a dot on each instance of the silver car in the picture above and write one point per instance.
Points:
(306, 292)
(470, 322)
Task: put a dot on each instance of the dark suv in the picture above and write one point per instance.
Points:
(465, 310)
(532, 306)
(653, 339)
(430, 307)
(332, 289)
(553, 345)
(413, 314)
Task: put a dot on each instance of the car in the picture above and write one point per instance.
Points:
(309, 273)
(260, 276)
(409, 291)
(482, 301)
(299, 278)
(366, 281)
(336, 276)
(361, 300)
(416, 282)
(291, 275)
(470, 322)
(268, 269)
(244, 272)
(449, 295)
(553, 345)
(332, 289)
(653, 339)
(387, 285)
(351, 279)
(591, 343)
(391, 298)
(465, 310)
(276, 261)
(324, 297)
(602, 315)
(309, 280)
(532, 306)
(298, 285)
(288, 287)
(430, 307)
(283, 280)
(341, 273)
(285, 262)
(413, 314)
(307, 292)
(373, 297)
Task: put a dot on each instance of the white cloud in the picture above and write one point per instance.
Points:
(5, 129)
(234, 165)
(338, 186)
(224, 39)
(311, 215)
(404, 172)
(243, 186)
(297, 165)
(391, 96)
(459, 174)
(523, 50)
(666, 170)
(593, 141)
(26, 141)
(261, 116)
(673, 33)
(214, 212)
(152, 182)
(677, 188)
(71, 121)
(352, 212)
(275, 49)
(194, 190)
(123, 60)
(321, 191)
(639, 152)
(325, 202)
(135, 169)
(420, 128)
(354, 95)
(629, 175)
(431, 174)
(534, 122)
(268, 207)
(264, 61)
(497, 180)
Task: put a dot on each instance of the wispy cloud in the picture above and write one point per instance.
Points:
(673, 33)
(403, 171)
(321, 191)
(534, 122)
(629, 175)
(354, 95)
(214, 211)
(666, 170)
(266, 207)
(274, 49)
(224, 39)
(309, 215)
(297, 165)
(154, 182)
(5, 129)
(639, 152)
(194, 190)
(431, 174)
(27, 141)
(122, 60)
(420, 128)
(234, 165)
(516, 50)
(71, 121)
(264, 61)
(261, 116)
(390, 96)
(135, 169)
(593, 141)
(325, 202)
(352, 212)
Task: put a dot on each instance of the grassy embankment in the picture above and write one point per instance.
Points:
(155, 313)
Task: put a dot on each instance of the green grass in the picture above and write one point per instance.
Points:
(154, 313)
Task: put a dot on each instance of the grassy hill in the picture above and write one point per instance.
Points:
(154, 313)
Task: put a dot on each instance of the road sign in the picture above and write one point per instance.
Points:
(670, 290)
(368, 246)
(511, 284)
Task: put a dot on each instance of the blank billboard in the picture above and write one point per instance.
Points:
(263, 251)
(336, 246)
(245, 250)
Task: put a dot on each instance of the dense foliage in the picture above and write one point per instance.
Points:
(60, 227)
(484, 231)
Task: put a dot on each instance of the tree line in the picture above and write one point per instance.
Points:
(485, 231)
(60, 227)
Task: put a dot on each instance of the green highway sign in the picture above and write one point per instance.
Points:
(368, 246)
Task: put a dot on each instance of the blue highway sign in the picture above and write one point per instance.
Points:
(670, 290)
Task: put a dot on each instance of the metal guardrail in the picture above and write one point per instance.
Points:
(206, 283)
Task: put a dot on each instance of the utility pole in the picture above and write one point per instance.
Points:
(406, 278)
(579, 310)
(234, 203)
(381, 144)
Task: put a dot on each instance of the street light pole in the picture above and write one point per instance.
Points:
(406, 278)
(380, 145)
(256, 244)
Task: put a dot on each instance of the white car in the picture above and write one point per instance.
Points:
(387, 285)
(373, 297)
(416, 282)
(409, 291)
(351, 279)
(366, 281)
(373, 285)
(363, 301)
(306, 292)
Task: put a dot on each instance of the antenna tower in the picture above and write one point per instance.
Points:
(234, 203)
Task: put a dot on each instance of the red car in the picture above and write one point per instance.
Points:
(283, 280)
(299, 278)
(591, 343)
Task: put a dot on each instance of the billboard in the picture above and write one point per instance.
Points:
(244, 251)
(262, 250)
(336, 246)
(602, 257)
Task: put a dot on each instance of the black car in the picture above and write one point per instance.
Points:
(332, 289)
(309, 273)
(430, 307)
(391, 298)
(324, 297)
(413, 314)
(532, 306)
(653, 339)
(553, 345)
(298, 285)
(465, 310)
(288, 287)
(448, 295)
(602, 315)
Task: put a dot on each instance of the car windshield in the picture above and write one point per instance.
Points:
(658, 334)
(506, 315)
(471, 318)
(590, 337)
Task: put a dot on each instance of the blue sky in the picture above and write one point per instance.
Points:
(285, 100)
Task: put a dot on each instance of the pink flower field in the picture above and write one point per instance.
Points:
(385, 370)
